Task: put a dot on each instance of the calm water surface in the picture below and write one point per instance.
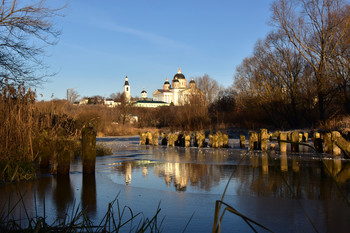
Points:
(286, 193)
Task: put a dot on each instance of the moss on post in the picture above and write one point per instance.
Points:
(88, 150)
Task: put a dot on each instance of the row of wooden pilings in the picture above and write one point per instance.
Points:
(186, 139)
(58, 150)
(330, 143)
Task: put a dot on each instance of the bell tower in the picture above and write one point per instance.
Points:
(127, 92)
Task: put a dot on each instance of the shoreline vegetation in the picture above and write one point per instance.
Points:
(33, 133)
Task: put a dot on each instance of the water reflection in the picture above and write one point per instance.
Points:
(88, 193)
(63, 194)
(256, 173)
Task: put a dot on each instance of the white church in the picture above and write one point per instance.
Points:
(177, 93)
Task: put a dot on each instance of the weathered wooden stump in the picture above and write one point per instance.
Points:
(272, 146)
(163, 139)
(264, 137)
(241, 141)
(328, 144)
(294, 141)
(63, 152)
(220, 140)
(187, 140)
(318, 142)
(283, 145)
(305, 136)
(225, 140)
(300, 137)
(344, 145)
(253, 140)
(201, 140)
(336, 149)
(63, 161)
(143, 139)
(45, 148)
(88, 150)
(210, 140)
(149, 138)
(215, 141)
(155, 139)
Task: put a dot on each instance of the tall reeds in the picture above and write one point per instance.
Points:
(22, 123)
(17, 121)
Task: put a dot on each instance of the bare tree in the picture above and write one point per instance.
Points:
(209, 86)
(72, 95)
(315, 28)
(25, 29)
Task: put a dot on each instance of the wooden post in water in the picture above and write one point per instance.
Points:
(344, 145)
(300, 137)
(215, 141)
(88, 150)
(155, 139)
(253, 140)
(318, 142)
(143, 139)
(45, 148)
(336, 149)
(294, 141)
(264, 137)
(328, 144)
(63, 161)
(187, 140)
(163, 139)
(149, 138)
(225, 140)
(305, 136)
(241, 141)
(201, 139)
(210, 140)
(283, 145)
(63, 152)
(220, 140)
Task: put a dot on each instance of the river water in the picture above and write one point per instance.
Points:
(300, 192)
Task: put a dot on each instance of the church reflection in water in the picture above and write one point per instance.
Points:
(255, 173)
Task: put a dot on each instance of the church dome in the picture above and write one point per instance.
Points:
(166, 81)
(143, 91)
(175, 80)
(179, 75)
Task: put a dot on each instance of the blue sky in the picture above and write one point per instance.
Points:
(147, 40)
